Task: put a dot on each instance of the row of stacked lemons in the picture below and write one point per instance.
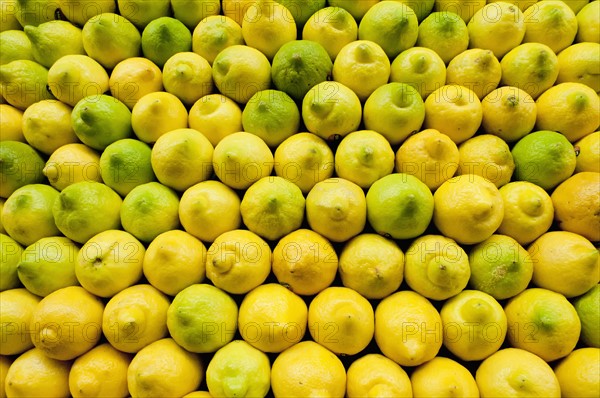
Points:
(300, 198)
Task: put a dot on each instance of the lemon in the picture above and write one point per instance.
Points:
(34, 374)
(303, 10)
(550, 22)
(577, 373)
(267, 25)
(344, 314)
(364, 157)
(419, 67)
(588, 24)
(86, 208)
(157, 113)
(27, 213)
(361, 61)
(572, 109)
(23, 83)
(16, 312)
(545, 158)
(430, 156)
(188, 76)
(98, 121)
(149, 210)
(46, 126)
(213, 34)
(68, 323)
(209, 209)
(236, 9)
(337, 209)
(133, 78)
(5, 363)
(376, 375)
(477, 69)
(474, 325)
(9, 17)
(356, 8)
(443, 377)
(542, 322)
(74, 77)
(15, 45)
(509, 113)
(198, 394)
(436, 267)
(575, 201)
(80, 11)
(48, 265)
(11, 120)
(332, 27)
(588, 310)
(464, 8)
(272, 318)
(110, 38)
(408, 328)
(238, 261)
(240, 71)
(399, 206)
(500, 267)
(422, 8)
(20, 165)
(454, 110)
(308, 369)
(392, 25)
(202, 318)
(300, 65)
(9, 259)
(102, 371)
(72, 163)
(109, 262)
(173, 261)
(331, 110)
(238, 369)
(588, 156)
(532, 67)
(34, 12)
(576, 5)
(272, 115)
(304, 159)
(579, 63)
(181, 158)
(240, 159)
(164, 37)
(178, 373)
(135, 317)
(444, 32)
(141, 12)
(528, 211)
(215, 116)
(497, 26)
(487, 156)
(192, 12)
(372, 265)
(305, 262)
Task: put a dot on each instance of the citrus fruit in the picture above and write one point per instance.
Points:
(487, 156)
(5, 363)
(23, 83)
(444, 32)
(192, 12)
(421, 8)
(267, 25)
(302, 10)
(550, 22)
(419, 67)
(477, 69)
(576, 373)
(188, 76)
(47, 126)
(588, 25)
(579, 63)
(141, 12)
(133, 78)
(587, 307)
(376, 375)
(33, 12)
(509, 113)
(54, 39)
(464, 8)
(18, 306)
(332, 27)
(9, 16)
(16, 45)
(80, 11)
(73, 163)
(164, 37)
(215, 116)
(9, 259)
(443, 377)
(588, 153)
(236, 9)
(213, 34)
(356, 9)
(157, 113)
(11, 120)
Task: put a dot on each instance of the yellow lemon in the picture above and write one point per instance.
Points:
(341, 320)
(588, 24)
(436, 267)
(236, 9)
(209, 209)
(378, 376)
(372, 265)
(550, 22)
(454, 110)
(198, 394)
(356, 8)
(337, 209)
(79, 12)
(464, 8)
(72, 163)
(135, 317)
(68, 323)
(141, 12)
(267, 25)
(272, 318)
(157, 113)
(421, 8)
(34, 374)
(215, 33)
(133, 78)
(509, 113)
(238, 261)
(305, 262)
(188, 76)
(430, 156)
(192, 12)
(474, 325)
(9, 260)
(308, 369)
(164, 37)
(419, 67)
(528, 211)
(21, 165)
(75, 76)
(467, 208)
(477, 69)
(542, 322)
(577, 373)
(24, 82)
(215, 116)
(238, 369)
(102, 371)
(16, 312)
(487, 156)
(47, 126)
(332, 27)
(5, 363)
(443, 377)
(444, 32)
(11, 120)
(364, 157)
(580, 63)
(178, 373)
(588, 156)
(588, 310)
(408, 328)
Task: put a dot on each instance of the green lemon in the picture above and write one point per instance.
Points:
(422, 8)
(164, 37)
(10, 255)
(15, 45)
(445, 33)
(23, 83)
(81, 11)
(9, 19)
(125, 164)
(53, 39)
(20, 165)
(302, 10)
(142, 12)
(191, 12)
(588, 309)
(34, 12)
